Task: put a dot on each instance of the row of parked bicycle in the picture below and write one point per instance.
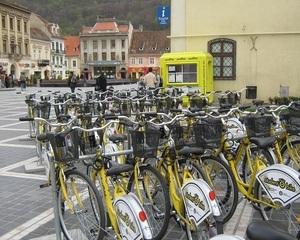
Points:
(126, 162)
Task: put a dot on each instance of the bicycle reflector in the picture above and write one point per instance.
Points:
(212, 195)
(142, 216)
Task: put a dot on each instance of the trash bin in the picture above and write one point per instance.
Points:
(251, 92)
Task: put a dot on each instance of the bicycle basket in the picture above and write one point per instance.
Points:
(291, 118)
(258, 126)
(88, 142)
(198, 102)
(229, 99)
(44, 109)
(145, 143)
(66, 147)
(208, 133)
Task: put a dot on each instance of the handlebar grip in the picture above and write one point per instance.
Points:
(175, 110)
(42, 137)
(26, 119)
(110, 117)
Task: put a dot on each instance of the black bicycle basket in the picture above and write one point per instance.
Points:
(229, 99)
(145, 143)
(258, 125)
(198, 102)
(208, 133)
(291, 119)
(44, 109)
(66, 147)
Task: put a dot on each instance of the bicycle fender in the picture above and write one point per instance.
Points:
(132, 219)
(199, 201)
(281, 183)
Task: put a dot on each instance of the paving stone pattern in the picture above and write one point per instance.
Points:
(22, 202)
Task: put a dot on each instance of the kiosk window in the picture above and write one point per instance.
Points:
(182, 73)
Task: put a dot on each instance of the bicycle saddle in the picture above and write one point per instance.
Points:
(264, 230)
(190, 150)
(263, 142)
(117, 169)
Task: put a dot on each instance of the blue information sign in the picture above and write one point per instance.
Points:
(163, 14)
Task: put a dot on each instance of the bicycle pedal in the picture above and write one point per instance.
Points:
(45, 185)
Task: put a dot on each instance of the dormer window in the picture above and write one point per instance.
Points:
(167, 49)
(142, 48)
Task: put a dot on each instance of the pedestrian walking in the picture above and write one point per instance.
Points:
(150, 79)
(23, 82)
(101, 83)
(72, 82)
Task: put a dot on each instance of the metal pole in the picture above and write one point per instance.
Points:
(55, 198)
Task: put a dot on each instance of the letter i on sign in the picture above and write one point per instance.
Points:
(163, 12)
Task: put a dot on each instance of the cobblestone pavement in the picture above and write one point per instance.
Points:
(25, 209)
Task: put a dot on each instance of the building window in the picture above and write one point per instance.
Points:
(95, 56)
(19, 48)
(95, 44)
(104, 56)
(61, 60)
(11, 23)
(84, 45)
(151, 60)
(4, 46)
(103, 43)
(12, 47)
(223, 52)
(74, 63)
(56, 44)
(123, 43)
(85, 56)
(3, 21)
(25, 27)
(112, 43)
(133, 61)
(182, 73)
(52, 45)
(140, 60)
(123, 56)
(53, 60)
(19, 25)
(60, 47)
(112, 56)
(66, 63)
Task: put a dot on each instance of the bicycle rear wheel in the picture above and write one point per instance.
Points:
(155, 198)
(219, 177)
(80, 216)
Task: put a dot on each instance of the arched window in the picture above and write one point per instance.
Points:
(223, 50)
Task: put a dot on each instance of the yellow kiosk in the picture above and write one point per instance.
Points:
(191, 71)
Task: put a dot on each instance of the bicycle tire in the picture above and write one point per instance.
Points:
(70, 224)
(156, 210)
(269, 160)
(226, 195)
(285, 215)
(286, 156)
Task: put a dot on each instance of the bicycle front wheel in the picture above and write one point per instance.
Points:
(219, 177)
(154, 196)
(291, 157)
(80, 216)
(286, 217)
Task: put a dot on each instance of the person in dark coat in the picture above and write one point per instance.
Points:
(72, 82)
(101, 83)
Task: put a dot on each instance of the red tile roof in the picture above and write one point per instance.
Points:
(36, 33)
(150, 42)
(123, 28)
(72, 46)
(105, 27)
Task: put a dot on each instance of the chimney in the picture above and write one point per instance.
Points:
(141, 27)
